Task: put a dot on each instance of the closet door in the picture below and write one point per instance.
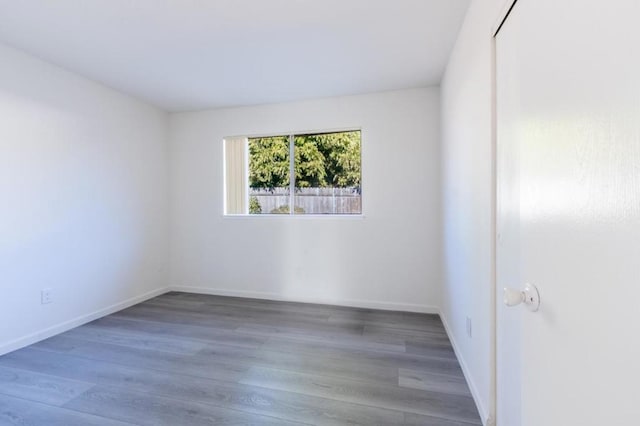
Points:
(568, 213)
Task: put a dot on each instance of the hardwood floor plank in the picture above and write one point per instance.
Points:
(141, 358)
(395, 335)
(285, 405)
(430, 349)
(20, 412)
(451, 407)
(38, 387)
(305, 362)
(179, 331)
(355, 343)
(276, 305)
(242, 317)
(247, 312)
(444, 383)
(186, 318)
(145, 409)
(316, 333)
(135, 339)
(391, 320)
(331, 347)
(376, 357)
(420, 420)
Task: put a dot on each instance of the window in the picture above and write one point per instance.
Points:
(316, 173)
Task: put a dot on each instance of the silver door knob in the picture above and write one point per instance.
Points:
(529, 296)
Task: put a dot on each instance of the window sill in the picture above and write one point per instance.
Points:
(296, 216)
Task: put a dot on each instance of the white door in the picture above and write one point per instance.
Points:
(568, 214)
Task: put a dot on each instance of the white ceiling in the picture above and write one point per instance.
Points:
(196, 54)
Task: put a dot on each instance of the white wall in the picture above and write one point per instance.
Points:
(468, 196)
(388, 259)
(83, 198)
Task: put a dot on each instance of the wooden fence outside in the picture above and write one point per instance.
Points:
(309, 200)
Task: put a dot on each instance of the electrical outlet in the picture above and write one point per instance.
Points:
(469, 328)
(46, 295)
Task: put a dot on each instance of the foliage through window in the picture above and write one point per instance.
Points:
(326, 170)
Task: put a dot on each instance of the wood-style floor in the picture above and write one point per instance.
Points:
(185, 359)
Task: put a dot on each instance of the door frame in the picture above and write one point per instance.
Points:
(500, 20)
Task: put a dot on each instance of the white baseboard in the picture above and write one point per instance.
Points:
(68, 325)
(485, 416)
(366, 304)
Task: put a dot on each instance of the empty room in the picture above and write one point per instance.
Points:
(305, 212)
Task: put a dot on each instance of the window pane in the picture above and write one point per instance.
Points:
(328, 173)
(269, 175)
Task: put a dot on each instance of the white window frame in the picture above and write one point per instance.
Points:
(291, 136)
